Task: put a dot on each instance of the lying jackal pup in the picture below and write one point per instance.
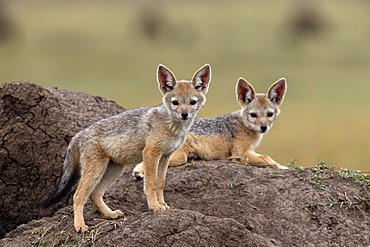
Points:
(235, 135)
(97, 154)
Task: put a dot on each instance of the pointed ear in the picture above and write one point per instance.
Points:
(277, 91)
(166, 79)
(244, 92)
(202, 78)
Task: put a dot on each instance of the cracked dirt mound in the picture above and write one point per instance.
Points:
(214, 203)
(220, 203)
(36, 125)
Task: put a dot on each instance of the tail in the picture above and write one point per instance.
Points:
(2, 231)
(70, 175)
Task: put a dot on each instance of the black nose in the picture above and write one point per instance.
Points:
(263, 128)
(184, 115)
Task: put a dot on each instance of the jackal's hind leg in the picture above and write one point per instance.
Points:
(179, 157)
(138, 172)
(93, 169)
(111, 175)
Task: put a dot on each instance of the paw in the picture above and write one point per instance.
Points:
(114, 215)
(237, 158)
(138, 172)
(137, 175)
(164, 204)
(158, 206)
(278, 166)
(81, 228)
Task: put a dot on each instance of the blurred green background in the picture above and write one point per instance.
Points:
(111, 48)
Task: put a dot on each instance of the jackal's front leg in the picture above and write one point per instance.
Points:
(150, 161)
(259, 159)
(178, 158)
(161, 179)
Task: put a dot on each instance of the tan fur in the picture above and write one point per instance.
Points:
(149, 135)
(239, 133)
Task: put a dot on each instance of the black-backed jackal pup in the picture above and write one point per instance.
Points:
(235, 135)
(96, 155)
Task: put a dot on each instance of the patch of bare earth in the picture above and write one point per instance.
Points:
(218, 203)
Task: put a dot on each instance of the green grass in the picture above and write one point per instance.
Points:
(96, 47)
(321, 176)
(232, 183)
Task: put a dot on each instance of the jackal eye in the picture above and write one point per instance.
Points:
(193, 102)
(270, 114)
(253, 115)
(175, 102)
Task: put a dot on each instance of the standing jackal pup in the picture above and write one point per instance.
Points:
(235, 135)
(97, 154)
